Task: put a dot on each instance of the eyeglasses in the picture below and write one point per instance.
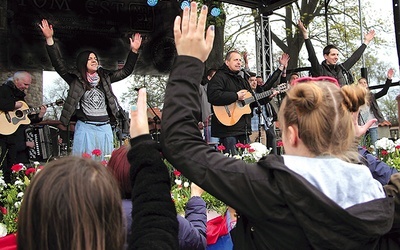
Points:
(316, 79)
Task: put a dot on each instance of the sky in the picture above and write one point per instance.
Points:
(389, 54)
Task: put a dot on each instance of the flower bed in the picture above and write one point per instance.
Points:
(388, 151)
(11, 195)
(180, 191)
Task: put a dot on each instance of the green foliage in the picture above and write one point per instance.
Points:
(155, 86)
(180, 193)
(388, 106)
(214, 204)
(11, 194)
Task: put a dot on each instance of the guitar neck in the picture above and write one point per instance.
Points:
(37, 109)
(259, 96)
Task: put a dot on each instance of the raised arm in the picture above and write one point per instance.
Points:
(388, 82)
(225, 178)
(54, 52)
(154, 221)
(312, 57)
(193, 227)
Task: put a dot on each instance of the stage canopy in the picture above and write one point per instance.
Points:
(103, 26)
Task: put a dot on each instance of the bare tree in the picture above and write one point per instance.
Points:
(58, 90)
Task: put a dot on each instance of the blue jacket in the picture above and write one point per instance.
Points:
(380, 170)
(192, 227)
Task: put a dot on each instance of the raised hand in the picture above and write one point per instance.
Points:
(369, 36)
(189, 38)
(303, 29)
(136, 42)
(47, 30)
(284, 59)
(360, 130)
(139, 122)
(390, 73)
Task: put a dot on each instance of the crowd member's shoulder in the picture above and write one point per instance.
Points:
(271, 161)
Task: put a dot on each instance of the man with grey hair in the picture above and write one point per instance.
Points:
(12, 97)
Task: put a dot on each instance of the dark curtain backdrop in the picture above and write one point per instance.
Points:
(100, 25)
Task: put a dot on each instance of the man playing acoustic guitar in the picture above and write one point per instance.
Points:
(226, 87)
(12, 97)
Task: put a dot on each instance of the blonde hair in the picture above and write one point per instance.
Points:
(323, 114)
(73, 203)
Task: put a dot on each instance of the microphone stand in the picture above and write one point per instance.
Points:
(345, 73)
(259, 114)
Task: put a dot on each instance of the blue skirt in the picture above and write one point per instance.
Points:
(88, 137)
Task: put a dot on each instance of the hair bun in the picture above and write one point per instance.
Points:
(353, 97)
(306, 97)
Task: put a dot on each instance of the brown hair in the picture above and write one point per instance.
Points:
(322, 113)
(120, 167)
(71, 204)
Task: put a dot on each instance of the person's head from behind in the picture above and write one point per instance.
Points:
(120, 167)
(71, 204)
(22, 80)
(316, 118)
(233, 60)
(331, 54)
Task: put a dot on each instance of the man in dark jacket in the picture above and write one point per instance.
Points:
(225, 88)
(12, 97)
(330, 66)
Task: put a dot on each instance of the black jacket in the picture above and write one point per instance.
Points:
(9, 95)
(76, 83)
(222, 90)
(154, 219)
(335, 71)
(278, 209)
(374, 104)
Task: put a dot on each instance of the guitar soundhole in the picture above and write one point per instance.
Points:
(19, 113)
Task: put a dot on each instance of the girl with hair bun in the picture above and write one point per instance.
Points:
(310, 198)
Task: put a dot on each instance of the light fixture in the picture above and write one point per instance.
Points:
(152, 3)
(185, 3)
(215, 11)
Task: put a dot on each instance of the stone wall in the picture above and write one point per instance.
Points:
(34, 97)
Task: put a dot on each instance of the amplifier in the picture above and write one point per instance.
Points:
(45, 138)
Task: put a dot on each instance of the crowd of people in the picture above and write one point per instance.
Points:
(317, 195)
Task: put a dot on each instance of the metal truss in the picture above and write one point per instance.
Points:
(263, 46)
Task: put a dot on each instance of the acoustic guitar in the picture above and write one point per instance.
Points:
(230, 114)
(10, 120)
